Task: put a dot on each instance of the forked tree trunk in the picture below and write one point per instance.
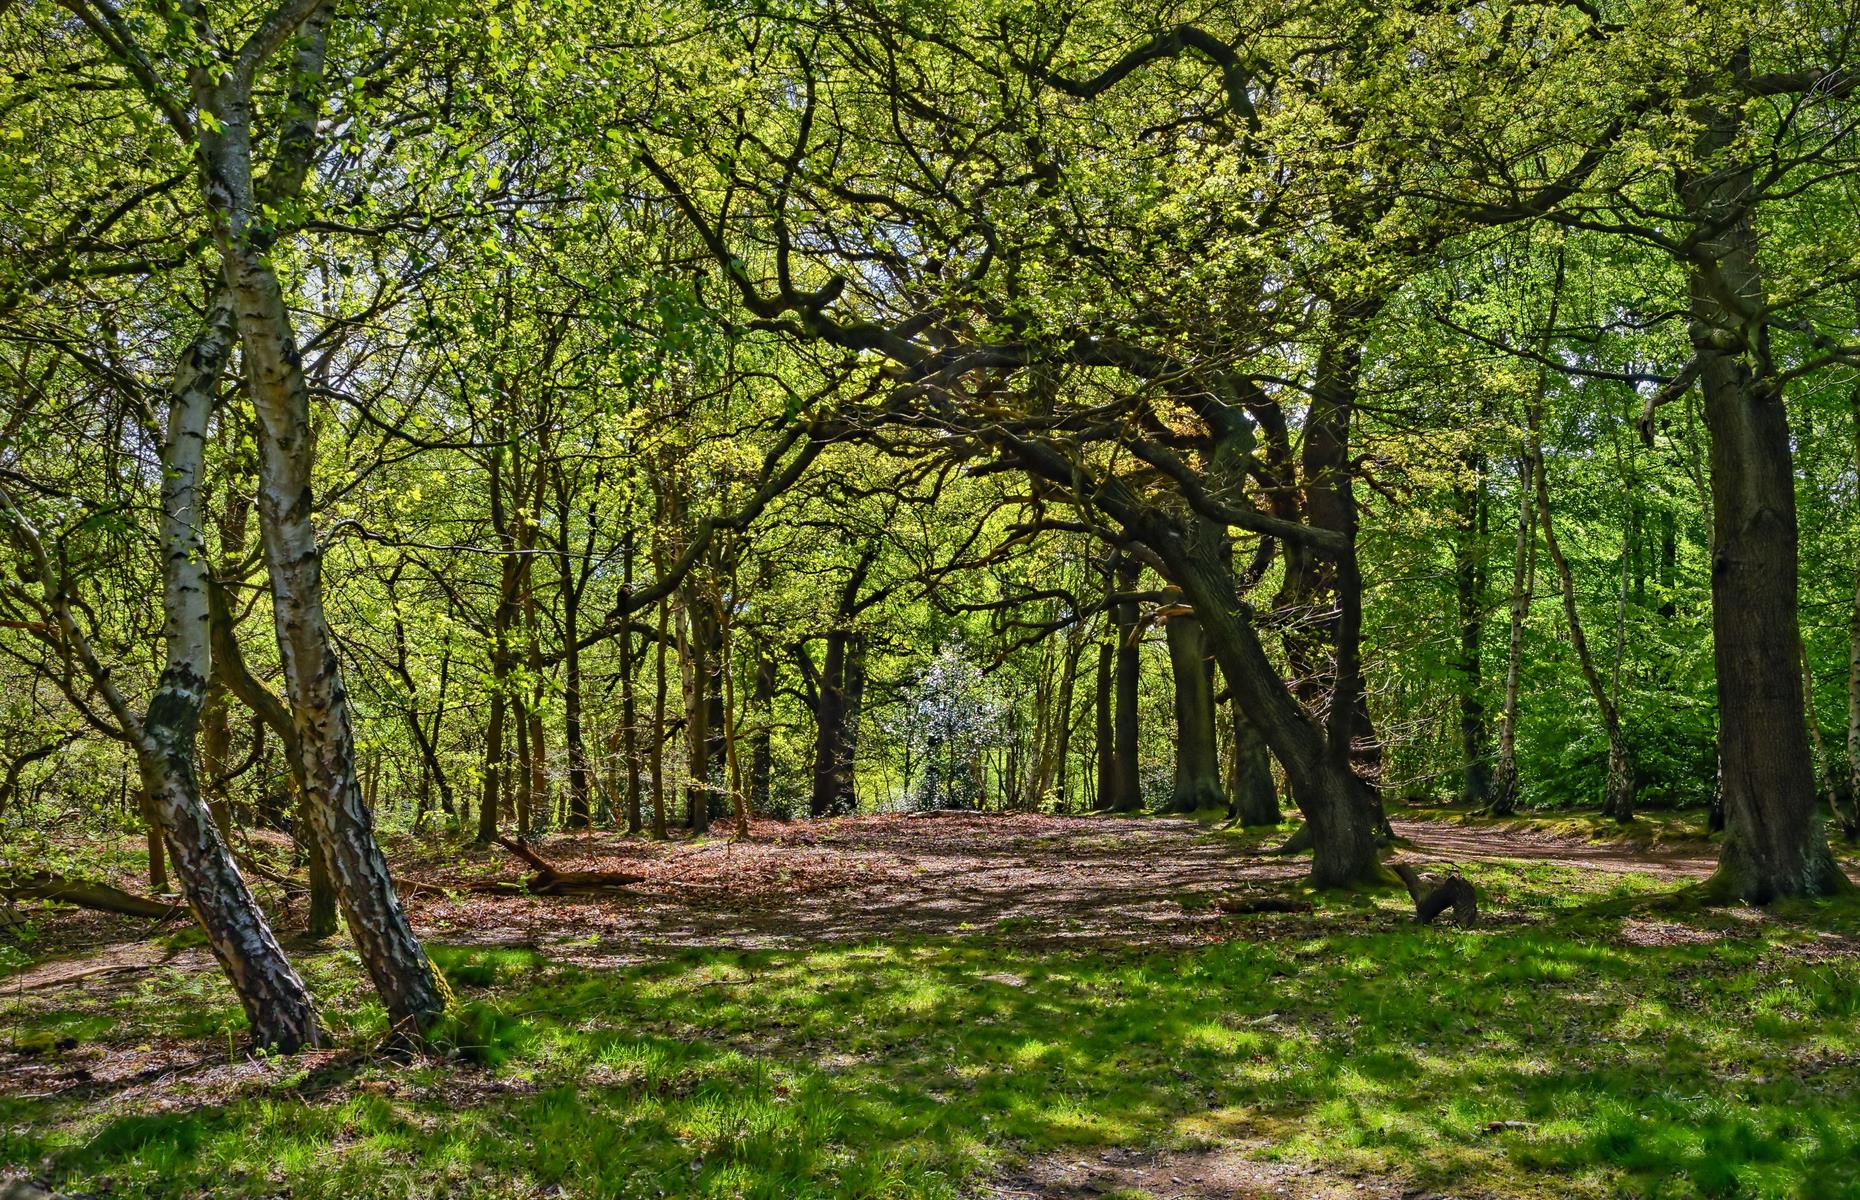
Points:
(1197, 762)
(276, 1002)
(1775, 843)
(1341, 811)
(1338, 806)
(401, 972)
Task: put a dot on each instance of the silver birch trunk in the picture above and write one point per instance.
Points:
(401, 972)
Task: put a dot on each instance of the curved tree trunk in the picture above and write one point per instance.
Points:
(1618, 796)
(1339, 807)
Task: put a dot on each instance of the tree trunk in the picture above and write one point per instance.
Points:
(1504, 788)
(400, 970)
(1618, 794)
(525, 799)
(1104, 745)
(276, 1003)
(1127, 788)
(1470, 582)
(628, 734)
(1255, 798)
(578, 815)
(1775, 842)
(1197, 763)
(1339, 807)
(1062, 751)
(1850, 820)
(829, 729)
(656, 756)
(739, 803)
(697, 718)
(761, 751)
(535, 749)
(215, 747)
(1831, 780)
(1341, 811)
(152, 838)
(1325, 587)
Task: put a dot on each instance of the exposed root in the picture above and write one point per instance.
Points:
(550, 881)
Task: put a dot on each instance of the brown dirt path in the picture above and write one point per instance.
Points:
(1040, 880)
(1035, 880)
(1448, 841)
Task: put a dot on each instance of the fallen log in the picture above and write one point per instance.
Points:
(1240, 905)
(1434, 896)
(549, 880)
(85, 893)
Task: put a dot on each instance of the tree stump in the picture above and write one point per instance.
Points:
(1434, 896)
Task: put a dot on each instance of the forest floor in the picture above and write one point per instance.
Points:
(998, 1007)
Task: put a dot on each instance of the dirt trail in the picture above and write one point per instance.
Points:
(1034, 880)
(1450, 842)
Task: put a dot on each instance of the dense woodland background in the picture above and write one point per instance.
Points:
(485, 421)
(600, 599)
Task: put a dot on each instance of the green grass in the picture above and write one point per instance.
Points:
(1717, 1068)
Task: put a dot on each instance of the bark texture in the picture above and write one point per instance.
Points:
(1775, 843)
(401, 972)
(1197, 765)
